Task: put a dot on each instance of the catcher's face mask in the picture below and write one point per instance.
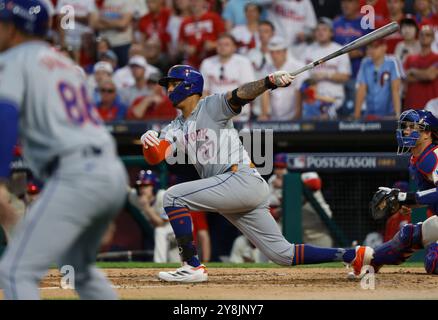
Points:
(408, 130)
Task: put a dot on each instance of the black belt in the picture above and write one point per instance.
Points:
(85, 152)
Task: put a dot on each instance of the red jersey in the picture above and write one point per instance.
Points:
(155, 24)
(380, 8)
(108, 114)
(420, 92)
(393, 39)
(163, 111)
(195, 32)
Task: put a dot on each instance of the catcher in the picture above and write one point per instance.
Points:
(230, 184)
(417, 133)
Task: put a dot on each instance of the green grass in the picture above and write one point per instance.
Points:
(127, 265)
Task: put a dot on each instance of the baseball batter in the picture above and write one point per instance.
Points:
(230, 184)
(66, 145)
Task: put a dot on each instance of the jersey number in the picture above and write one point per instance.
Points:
(78, 106)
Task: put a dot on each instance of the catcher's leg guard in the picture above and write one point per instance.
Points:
(400, 248)
(431, 259)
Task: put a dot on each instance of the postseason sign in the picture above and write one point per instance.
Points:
(347, 161)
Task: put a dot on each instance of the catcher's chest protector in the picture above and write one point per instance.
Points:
(425, 171)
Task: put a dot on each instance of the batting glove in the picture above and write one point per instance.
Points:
(150, 139)
(279, 79)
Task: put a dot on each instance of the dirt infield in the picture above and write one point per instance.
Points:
(263, 283)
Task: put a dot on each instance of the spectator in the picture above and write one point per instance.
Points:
(434, 23)
(199, 33)
(423, 10)
(155, 56)
(154, 24)
(114, 22)
(314, 230)
(396, 14)
(246, 35)
(260, 56)
(315, 106)
(110, 57)
(149, 199)
(380, 8)
(432, 106)
(410, 44)
(379, 84)
(422, 73)
(123, 77)
(332, 75)
(181, 10)
(292, 19)
(72, 37)
(227, 70)
(282, 105)
(155, 106)
(327, 8)
(110, 106)
(102, 71)
(234, 13)
(140, 88)
(347, 28)
(260, 59)
(102, 45)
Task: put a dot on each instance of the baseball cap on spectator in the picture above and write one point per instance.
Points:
(138, 61)
(326, 21)
(277, 43)
(103, 66)
(108, 55)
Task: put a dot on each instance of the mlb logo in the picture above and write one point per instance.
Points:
(297, 162)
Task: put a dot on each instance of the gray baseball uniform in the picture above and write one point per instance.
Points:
(212, 144)
(65, 144)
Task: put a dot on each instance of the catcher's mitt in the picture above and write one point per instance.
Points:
(384, 203)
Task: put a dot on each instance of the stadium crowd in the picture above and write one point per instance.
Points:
(124, 46)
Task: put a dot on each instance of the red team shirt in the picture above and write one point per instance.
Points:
(195, 32)
(419, 93)
(156, 25)
(162, 111)
(393, 39)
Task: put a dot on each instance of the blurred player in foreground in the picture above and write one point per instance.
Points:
(417, 133)
(230, 184)
(66, 147)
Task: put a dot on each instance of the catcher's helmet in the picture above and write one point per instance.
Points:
(416, 121)
(30, 16)
(191, 82)
(147, 178)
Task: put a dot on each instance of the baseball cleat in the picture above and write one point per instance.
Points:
(362, 261)
(186, 274)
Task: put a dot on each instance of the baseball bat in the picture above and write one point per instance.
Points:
(358, 43)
